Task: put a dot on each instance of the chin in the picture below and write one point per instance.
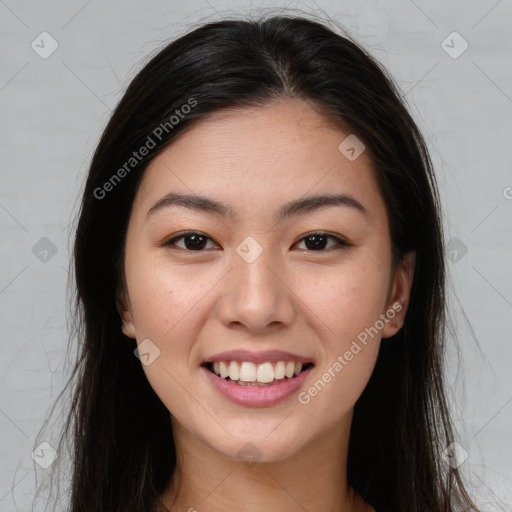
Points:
(258, 447)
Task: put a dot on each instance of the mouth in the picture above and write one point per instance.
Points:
(261, 384)
(267, 374)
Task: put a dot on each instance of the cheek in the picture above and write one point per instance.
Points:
(348, 309)
(345, 300)
(165, 304)
(163, 296)
(347, 303)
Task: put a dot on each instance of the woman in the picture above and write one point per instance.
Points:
(260, 282)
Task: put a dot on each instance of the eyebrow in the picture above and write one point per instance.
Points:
(290, 209)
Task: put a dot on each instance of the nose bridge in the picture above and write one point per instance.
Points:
(256, 297)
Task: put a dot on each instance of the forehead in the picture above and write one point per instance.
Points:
(260, 156)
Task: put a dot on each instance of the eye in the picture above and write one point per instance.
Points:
(196, 241)
(317, 241)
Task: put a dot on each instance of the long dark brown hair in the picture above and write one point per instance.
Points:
(123, 453)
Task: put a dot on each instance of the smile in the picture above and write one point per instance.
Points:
(248, 373)
(256, 385)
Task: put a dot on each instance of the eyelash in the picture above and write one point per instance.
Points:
(341, 243)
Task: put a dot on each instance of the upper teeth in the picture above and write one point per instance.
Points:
(250, 372)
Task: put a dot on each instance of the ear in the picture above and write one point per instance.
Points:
(124, 308)
(399, 295)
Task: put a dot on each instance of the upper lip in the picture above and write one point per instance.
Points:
(257, 357)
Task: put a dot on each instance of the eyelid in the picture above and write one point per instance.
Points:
(341, 241)
(168, 242)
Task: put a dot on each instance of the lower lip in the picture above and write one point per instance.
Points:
(254, 396)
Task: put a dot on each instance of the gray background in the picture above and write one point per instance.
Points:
(53, 111)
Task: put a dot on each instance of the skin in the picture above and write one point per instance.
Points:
(194, 304)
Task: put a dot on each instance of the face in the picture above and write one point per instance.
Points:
(315, 282)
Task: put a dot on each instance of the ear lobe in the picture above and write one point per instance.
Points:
(399, 296)
(128, 326)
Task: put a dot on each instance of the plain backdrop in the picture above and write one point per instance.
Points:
(452, 59)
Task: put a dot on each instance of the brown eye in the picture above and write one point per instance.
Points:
(318, 241)
(197, 241)
(193, 241)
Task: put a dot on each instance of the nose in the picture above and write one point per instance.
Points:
(257, 297)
